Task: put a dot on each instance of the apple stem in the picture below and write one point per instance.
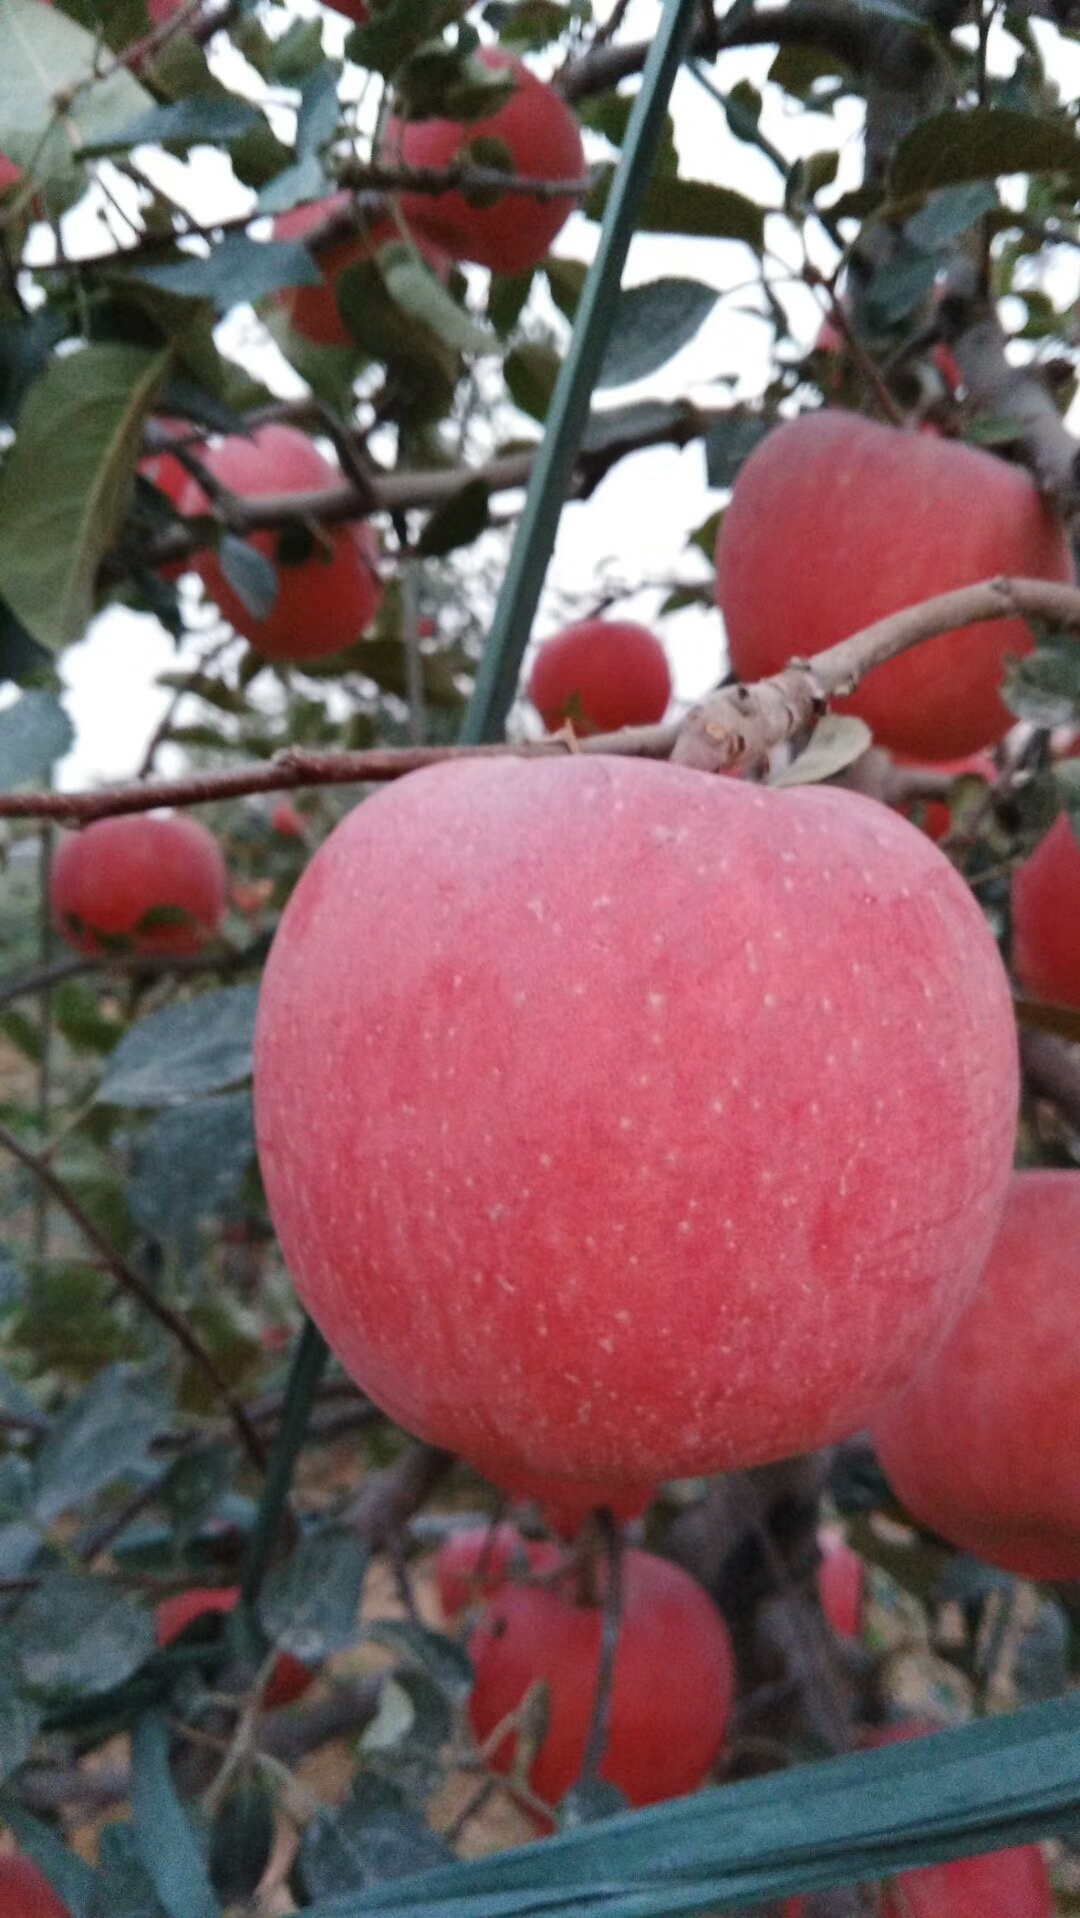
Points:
(610, 1624)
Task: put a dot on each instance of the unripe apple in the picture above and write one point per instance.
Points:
(671, 1693)
(600, 674)
(138, 883)
(981, 1447)
(1046, 917)
(592, 1104)
(289, 1679)
(25, 1892)
(474, 1564)
(313, 310)
(540, 132)
(329, 598)
(836, 521)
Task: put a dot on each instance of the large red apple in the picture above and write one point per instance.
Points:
(313, 310)
(982, 1446)
(289, 1679)
(324, 602)
(543, 137)
(836, 521)
(25, 1892)
(671, 1693)
(1046, 917)
(600, 674)
(138, 884)
(474, 1564)
(622, 1124)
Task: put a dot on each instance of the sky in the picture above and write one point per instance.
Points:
(633, 529)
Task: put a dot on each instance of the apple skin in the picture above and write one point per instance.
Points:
(1046, 917)
(544, 137)
(592, 1101)
(25, 1892)
(474, 1564)
(841, 1583)
(313, 310)
(601, 674)
(981, 1447)
(326, 602)
(671, 1694)
(289, 1679)
(565, 1503)
(107, 878)
(836, 521)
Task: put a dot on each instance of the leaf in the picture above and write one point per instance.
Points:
(458, 523)
(189, 1164)
(728, 444)
(34, 733)
(897, 287)
(203, 119)
(164, 1840)
(12, 1283)
(837, 741)
(21, 658)
(980, 143)
(124, 1888)
(68, 481)
(102, 1435)
(949, 214)
(320, 111)
(406, 1743)
(69, 1875)
(652, 323)
(566, 279)
(309, 1605)
(252, 576)
(76, 1636)
(236, 270)
(696, 207)
(413, 287)
(530, 372)
(19, 1723)
(1044, 686)
(242, 1837)
(396, 30)
(195, 1487)
(44, 54)
(374, 1835)
(202, 1045)
(443, 1660)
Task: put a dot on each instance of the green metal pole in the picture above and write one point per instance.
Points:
(308, 1363)
(496, 681)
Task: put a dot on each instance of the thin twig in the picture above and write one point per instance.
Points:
(611, 1623)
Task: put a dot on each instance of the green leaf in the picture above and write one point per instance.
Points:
(309, 1605)
(729, 443)
(837, 741)
(34, 733)
(164, 1840)
(530, 372)
(898, 286)
(242, 1837)
(565, 280)
(1044, 686)
(373, 1836)
(398, 29)
(19, 1723)
(204, 119)
(12, 1281)
(252, 576)
(124, 1888)
(236, 269)
(44, 54)
(980, 143)
(202, 1045)
(189, 1164)
(405, 1743)
(194, 1487)
(652, 323)
(21, 658)
(77, 1636)
(68, 481)
(695, 207)
(528, 23)
(458, 523)
(103, 1435)
(25, 346)
(442, 1659)
(413, 287)
(68, 1874)
(949, 214)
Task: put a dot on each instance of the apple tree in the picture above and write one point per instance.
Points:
(536, 1277)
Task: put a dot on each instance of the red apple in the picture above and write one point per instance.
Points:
(1046, 917)
(25, 1892)
(592, 1101)
(543, 136)
(313, 310)
(165, 471)
(474, 1564)
(671, 1694)
(982, 1445)
(289, 1679)
(286, 821)
(9, 173)
(138, 883)
(327, 600)
(836, 521)
(565, 1504)
(841, 1583)
(600, 674)
(352, 9)
(935, 815)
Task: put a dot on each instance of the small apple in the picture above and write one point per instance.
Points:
(1046, 917)
(982, 1444)
(836, 521)
(286, 821)
(543, 137)
(324, 601)
(138, 883)
(25, 1892)
(289, 1679)
(546, 1164)
(475, 1563)
(600, 674)
(671, 1693)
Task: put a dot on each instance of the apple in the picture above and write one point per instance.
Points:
(25, 1892)
(1046, 917)
(671, 1693)
(10, 173)
(600, 674)
(352, 9)
(981, 1446)
(836, 521)
(475, 1563)
(328, 599)
(286, 821)
(841, 1583)
(540, 132)
(313, 310)
(935, 815)
(166, 472)
(565, 1504)
(289, 1679)
(592, 1101)
(140, 883)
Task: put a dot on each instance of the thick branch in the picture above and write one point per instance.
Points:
(835, 26)
(996, 388)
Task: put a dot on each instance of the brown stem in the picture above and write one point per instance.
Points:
(133, 1283)
(136, 965)
(611, 1622)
